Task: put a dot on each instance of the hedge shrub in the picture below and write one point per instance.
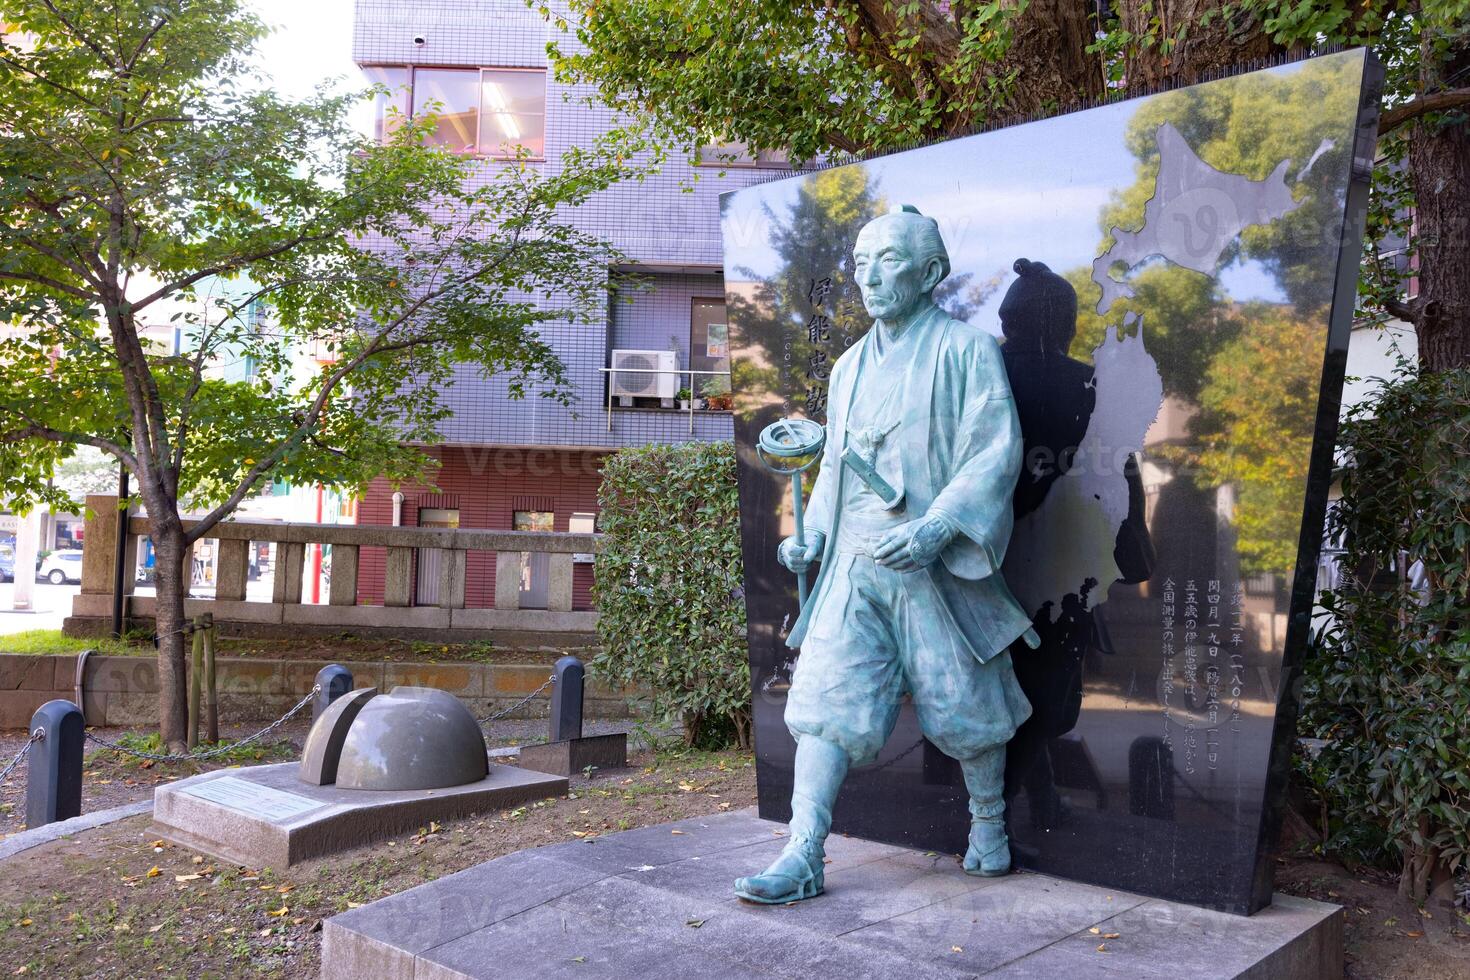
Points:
(669, 587)
(1388, 681)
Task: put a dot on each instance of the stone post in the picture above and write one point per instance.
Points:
(334, 681)
(566, 699)
(54, 782)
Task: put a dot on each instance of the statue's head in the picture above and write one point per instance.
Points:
(898, 260)
(1039, 312)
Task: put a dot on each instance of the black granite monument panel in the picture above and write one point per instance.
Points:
(1178, 448)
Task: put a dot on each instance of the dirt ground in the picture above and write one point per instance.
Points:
(115, 902)
(1385, 938)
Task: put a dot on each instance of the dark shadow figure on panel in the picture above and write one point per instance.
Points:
(1055, 397)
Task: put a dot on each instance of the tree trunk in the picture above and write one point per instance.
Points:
(1211, 45)
(169, 582)
(1439, 159)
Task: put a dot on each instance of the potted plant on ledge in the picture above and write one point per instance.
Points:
(717, 395)
(682, 396)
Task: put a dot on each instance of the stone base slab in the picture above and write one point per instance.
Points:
(574, 755)
(657, 902)
(264, 817)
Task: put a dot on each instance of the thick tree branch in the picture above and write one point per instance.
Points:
(36, 430)
(1434, 102)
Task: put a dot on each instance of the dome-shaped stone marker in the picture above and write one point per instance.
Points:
(324, 742)
(412, 738)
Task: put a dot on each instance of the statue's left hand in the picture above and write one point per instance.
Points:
(914, 545)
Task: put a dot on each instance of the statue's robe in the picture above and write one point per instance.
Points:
(961, 455)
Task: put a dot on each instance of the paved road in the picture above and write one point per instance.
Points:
(52, 604)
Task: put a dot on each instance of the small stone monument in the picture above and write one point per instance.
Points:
(374, 765)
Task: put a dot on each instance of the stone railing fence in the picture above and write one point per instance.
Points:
(405, 549)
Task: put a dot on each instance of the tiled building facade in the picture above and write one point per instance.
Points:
(532, 463)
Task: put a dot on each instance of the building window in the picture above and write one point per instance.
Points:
(709, 346)
(390, 107)
(489, 111)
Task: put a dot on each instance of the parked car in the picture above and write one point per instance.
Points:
(7, 564)
(62, 566)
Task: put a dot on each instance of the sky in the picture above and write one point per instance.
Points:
(1033, 191)
(312, 44)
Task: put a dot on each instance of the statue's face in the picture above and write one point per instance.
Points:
(892, 280)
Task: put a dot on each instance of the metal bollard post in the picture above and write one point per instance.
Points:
(566, 699)
(54, 782)
(334, 680)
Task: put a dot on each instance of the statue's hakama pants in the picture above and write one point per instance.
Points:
(880, 634)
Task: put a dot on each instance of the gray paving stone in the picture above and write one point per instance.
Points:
(1154, 939)
(390, 933)
(552, 941)
(993, 925)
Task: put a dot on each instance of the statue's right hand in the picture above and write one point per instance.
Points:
(798, 556)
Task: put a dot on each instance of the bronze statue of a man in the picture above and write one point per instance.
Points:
(910, 516)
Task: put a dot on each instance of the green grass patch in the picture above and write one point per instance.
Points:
(44, 642)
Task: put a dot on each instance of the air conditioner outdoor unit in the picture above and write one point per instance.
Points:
(645, 373)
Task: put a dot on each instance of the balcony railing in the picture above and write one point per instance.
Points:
(613, 372)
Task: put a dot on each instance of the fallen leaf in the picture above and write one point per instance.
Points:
(351, 905)
(265, 932)
(1094, 930)
(277, 913)
(1416, 934)
(957, 949)
(1102, 948)
(26, 922)
(197, 859)
(284, 889)
(153, 872)
(1112, 935)
(187, 877)
(157, 927)
(575, 959)
(676, 832)
(156, 844)
(694, 923)
(229, 930)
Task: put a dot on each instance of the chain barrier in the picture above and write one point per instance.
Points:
(209, 753)
(521, 703)
(25, 750)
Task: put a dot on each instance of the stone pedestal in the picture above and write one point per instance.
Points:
(265, 816)
(657, 902)
(573, 755)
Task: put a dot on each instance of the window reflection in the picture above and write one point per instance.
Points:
(389, 108)
(451, 94)
(489, 111)
(512, 112)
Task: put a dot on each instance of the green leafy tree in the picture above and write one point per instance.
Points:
(1388, 683)
(671, 613)
(1248, 127)
(138, 163)
(1187, 320)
